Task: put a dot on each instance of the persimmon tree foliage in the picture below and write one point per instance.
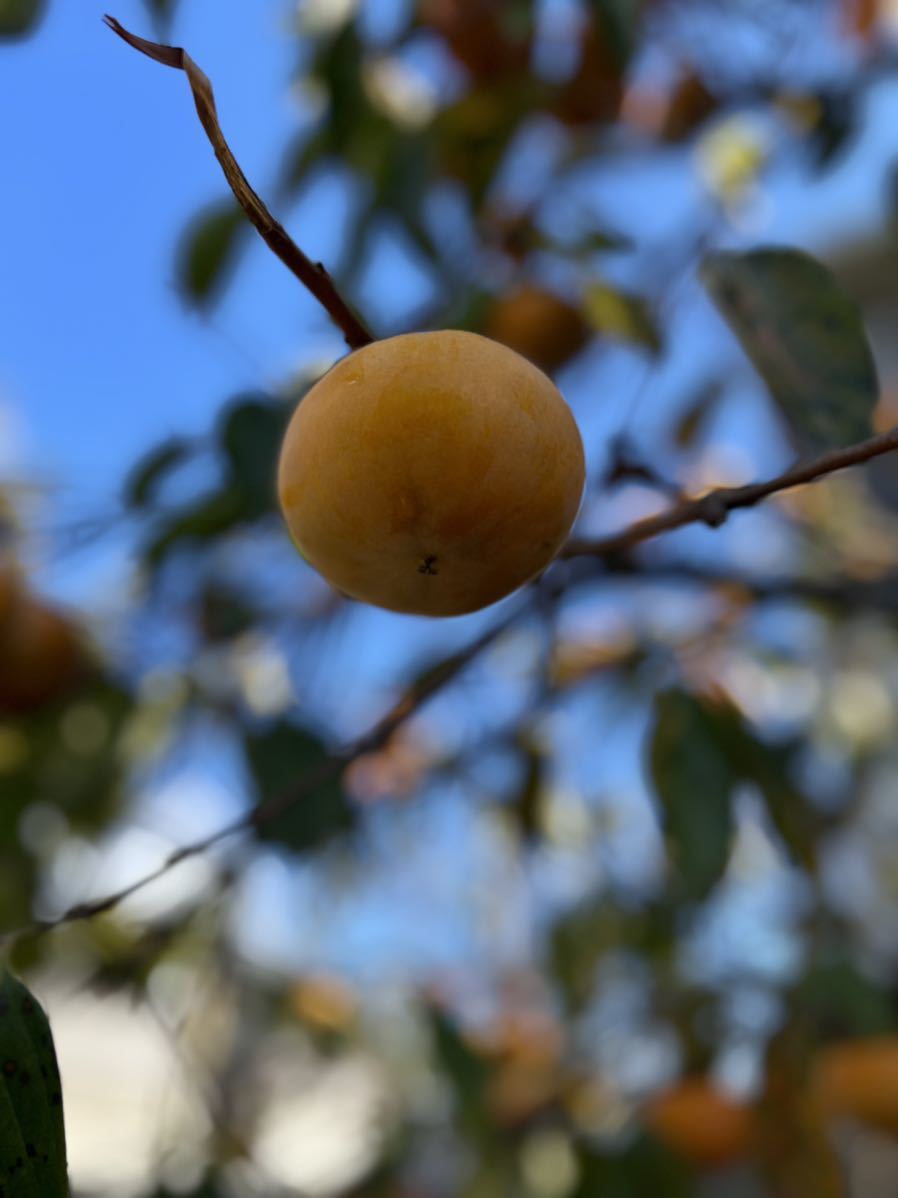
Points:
(686, 701)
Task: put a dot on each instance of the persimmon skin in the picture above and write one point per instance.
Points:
(40, 657)
(859, 1080)
(431, 473)
(701, 1123)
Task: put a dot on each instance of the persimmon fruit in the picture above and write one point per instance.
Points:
(40, 657)
(702, 1124)
(859, 1080)
(538, 324)
(431, 473)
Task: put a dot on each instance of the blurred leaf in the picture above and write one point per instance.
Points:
(579, 940)
(225, 613)
(834, 128)
(805, 338)
(529, 798)
(18, 17)
(208, 251)
(619, 22)
(694, 417)
(644, 1168)
(67, 756)
(843, 1002)
(32, 1131)
(208, 517)
(620, 315)
(693, 783)
(473, 133)
(278, 759)
(250, 434)
(144, 480)
(467, 1072)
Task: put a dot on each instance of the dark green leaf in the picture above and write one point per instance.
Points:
(151, 471)
(694, 418)
(32, 1131)
(805, 338)
(693, 783)
(210, 516)
(278, 759)
(619, 22)
(18, 17)
(208, 251)
(250, 434)
(467, 1072)
(844, 1002)
(641, 1169)
(835, 127)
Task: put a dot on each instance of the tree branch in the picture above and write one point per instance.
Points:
(311, 274)
(331, 767)
(844, 595)
(714, 508)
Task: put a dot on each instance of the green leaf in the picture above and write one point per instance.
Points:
(208, 251)
(621, 316)
(19, 17)
(210, 516)
(151, 471)
(32, 1131)
(467, 1072)
(693, 782)
(843, 1001)
(250, 435)
(644, 1167)
(278, 759)
(804, 336)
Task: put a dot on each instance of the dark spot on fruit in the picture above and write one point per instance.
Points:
(428, 565)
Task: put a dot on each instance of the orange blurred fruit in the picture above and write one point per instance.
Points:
(477, 36)
(11, 591)
(40, 656)
(699, 1122)
(538, 324)
(431, 473)
(859, 1080)
(594, 92)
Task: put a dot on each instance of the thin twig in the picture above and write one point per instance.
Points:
(329, 768)
(311, 274)
(714, 508)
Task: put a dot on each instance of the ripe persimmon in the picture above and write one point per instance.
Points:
(10, 592)
(40, 655)
(859, 1079)
(699, 1122)
(431, 473)
(478, 35)
(538, 324)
